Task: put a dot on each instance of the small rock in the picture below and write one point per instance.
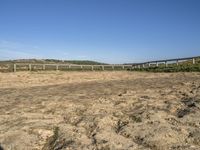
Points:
(182, 112)
(120, 94)
(1, 148)
(145, 97)
(189, 102)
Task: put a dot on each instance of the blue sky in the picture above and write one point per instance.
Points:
(112, 31)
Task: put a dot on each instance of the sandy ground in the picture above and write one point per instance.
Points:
(99, 111)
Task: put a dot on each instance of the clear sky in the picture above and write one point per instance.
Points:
(112, 31)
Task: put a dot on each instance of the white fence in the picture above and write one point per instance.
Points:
(165, 62)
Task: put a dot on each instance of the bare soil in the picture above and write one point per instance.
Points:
(99, 111)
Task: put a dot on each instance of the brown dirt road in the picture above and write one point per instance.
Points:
(99, 111)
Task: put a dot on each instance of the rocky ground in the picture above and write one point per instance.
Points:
(99, 111)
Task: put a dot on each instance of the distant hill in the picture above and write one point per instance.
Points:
(52, 61)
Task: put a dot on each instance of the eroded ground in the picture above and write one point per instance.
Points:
(99, 111)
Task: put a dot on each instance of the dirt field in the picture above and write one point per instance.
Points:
(99, 111)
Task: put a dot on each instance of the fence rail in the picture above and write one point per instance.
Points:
(166, 62)
(37, 67)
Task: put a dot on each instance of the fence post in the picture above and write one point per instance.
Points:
(123, 67)
(92, 68)
(166, 64)
(177, 62)
(43, 67)
(57, 67)
(193, 61)
(113, 67)
(102, 67)
(14, 67)
(157, 64)
(29, 66)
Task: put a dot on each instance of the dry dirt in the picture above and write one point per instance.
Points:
(99, 111)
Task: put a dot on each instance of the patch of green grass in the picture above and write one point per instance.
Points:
(51, 142)
(172, 68)
(135, 118)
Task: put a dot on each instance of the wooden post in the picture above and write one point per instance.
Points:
(113, 67)
(43, 67)
(177, 62)
(56, 67)
(29, 67)
(193, 61)
(15, 68)
(157, 64)
(166, 64)
(92, 68)
(102, 67)
(123, 67)
(69, 66)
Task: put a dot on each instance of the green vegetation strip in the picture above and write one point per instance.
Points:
(171, 68)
